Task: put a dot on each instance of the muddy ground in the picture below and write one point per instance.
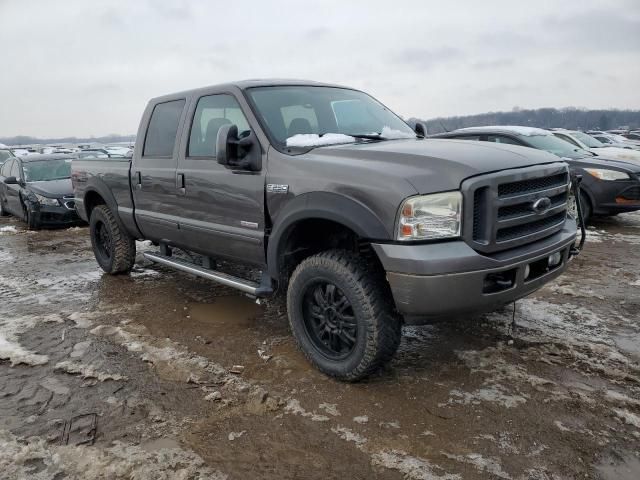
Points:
(161, 375)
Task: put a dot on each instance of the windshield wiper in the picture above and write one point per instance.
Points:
(367, 136)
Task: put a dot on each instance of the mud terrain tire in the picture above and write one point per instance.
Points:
(375, 328)
(114, 248)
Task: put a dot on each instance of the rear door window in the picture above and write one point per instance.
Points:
(163, 128)
(15, 170)
(212, 113)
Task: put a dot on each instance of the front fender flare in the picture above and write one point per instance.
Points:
(323, 206)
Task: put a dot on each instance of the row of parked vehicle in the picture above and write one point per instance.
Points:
(331, 198)
(35, 184)
(608, 163)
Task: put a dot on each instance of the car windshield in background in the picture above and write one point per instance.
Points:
(553, 144)
(46, 170)
(4, 154)
(338, 113)
(588, 140)
(93, 154)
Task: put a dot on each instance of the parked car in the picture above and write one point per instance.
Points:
(5, 154)
(623, 139)
(37, 188)
(587, 142)
(609, 186)
(632, 136)
(339, 203)
(609, 141)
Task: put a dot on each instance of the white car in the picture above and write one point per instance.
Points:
(587, 142)
(609, 141)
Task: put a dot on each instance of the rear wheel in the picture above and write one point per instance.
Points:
(114, 248)
(341, 315)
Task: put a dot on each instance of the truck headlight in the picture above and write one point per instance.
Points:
(428, 217)
(51, 202)
(604, 174)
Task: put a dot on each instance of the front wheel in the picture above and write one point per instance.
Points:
(30, 218)
(341, 315)
(114, 248)
(586, 208)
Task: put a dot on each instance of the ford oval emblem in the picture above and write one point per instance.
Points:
(541, 205)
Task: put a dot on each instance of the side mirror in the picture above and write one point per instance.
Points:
(227, 137)
(239, 153)
(421, 129)
(11, 181)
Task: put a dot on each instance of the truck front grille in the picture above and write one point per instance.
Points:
(501, 214)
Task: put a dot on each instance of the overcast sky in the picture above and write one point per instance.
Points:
(77, 67)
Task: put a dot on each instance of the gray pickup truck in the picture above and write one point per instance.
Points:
(335, 201)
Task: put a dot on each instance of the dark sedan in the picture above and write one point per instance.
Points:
(609, 186)
(37, 188)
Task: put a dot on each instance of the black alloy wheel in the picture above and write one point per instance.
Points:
(103, 241)
(329, 320)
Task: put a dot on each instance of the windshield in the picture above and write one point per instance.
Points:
(44, 170)
(618, 138)
(554, 145)
(316, 111)
(588, 140)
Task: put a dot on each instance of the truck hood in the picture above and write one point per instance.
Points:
(441, 164)
(52, 188)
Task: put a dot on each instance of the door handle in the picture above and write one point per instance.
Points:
(180, 185)
(138, 180)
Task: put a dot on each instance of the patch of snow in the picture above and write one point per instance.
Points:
(233, 435)
(8, 229)
(392, 134)
(10, 330)
(87, 371)
(120, 460)
(362, 419)
(518, 129)
(293, 407)
(483, 464)
(330, 408)
(395, 424)
(561, 426)
(493, 394)
(628, 417)
(349, 435)
(621, 398)
(313, 140)
(582, 293)
(411, 467)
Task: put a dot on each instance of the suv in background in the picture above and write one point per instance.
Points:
(608, 186)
